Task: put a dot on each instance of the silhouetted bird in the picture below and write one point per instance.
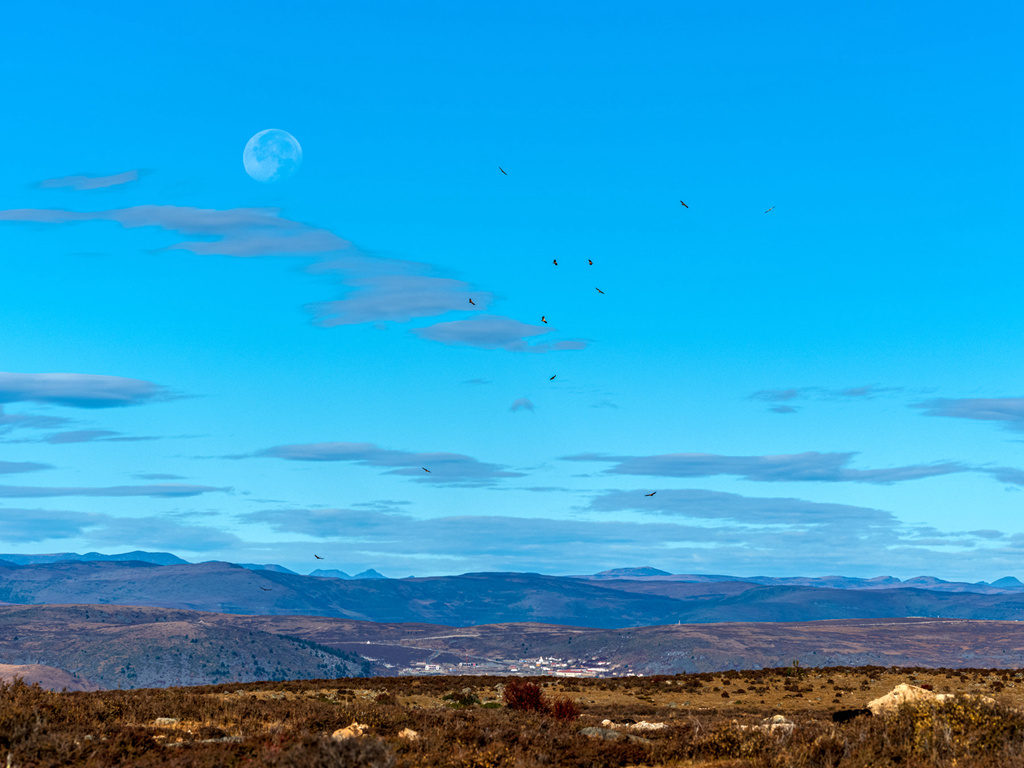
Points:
(650, 494)
(599, 291)
(770, 209)
(552, 378)
(502, 170)
(425, 470)
(590, 262)
(544, 319)
(555, 262)
(317, 556)
(472, 302)
(265, 589)
(683, 204)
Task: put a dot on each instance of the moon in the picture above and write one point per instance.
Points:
(271, 155)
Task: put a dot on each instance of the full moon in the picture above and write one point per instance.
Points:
(271, 155)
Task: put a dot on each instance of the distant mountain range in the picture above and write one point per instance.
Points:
(644, 573)
(166, 558)
(157, 558)
(835, 582)
(614, 599)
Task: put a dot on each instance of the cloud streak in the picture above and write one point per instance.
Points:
(241, 232)
(16, 467)
(444, 468)
(377, 289)
(782, 399)
(726, 533)
(91, 436)
(1009, 411)
(162, 491)
(12, 421)
(495, 332)
(81, 183)
(78, 390)
(395, 290)
(746, 510)
(397, 298)
(800, 467)
(22, 526)
(25, 526)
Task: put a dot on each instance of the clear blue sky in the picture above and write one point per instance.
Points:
(834, 386)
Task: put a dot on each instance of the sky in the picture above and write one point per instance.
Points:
(815, 366)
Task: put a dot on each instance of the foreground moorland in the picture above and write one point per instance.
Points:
(471, 722)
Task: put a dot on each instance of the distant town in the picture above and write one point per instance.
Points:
(542, 665)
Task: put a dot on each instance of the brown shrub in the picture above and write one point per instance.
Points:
(522, 696)
(326, 753)
(564, 708)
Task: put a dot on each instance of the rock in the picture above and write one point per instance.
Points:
(350, 732)
(166, 721)
(601, 733)
(643, 725)
(911, 694)
(608, 734)
(773, 724)
(409, 734)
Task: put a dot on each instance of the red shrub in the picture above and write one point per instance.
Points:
(524, 697)
(564, 708)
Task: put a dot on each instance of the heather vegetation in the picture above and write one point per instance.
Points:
(502, 722)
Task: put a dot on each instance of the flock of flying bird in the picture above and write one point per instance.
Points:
(543, 319)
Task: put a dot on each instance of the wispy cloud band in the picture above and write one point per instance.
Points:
(78, 390)
(82, 183)
(427, 467)
(1007, 410)
(811, 466)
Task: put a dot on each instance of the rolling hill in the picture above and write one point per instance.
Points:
(119, 646)
(481, 598)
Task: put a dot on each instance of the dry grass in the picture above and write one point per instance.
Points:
(462, 723)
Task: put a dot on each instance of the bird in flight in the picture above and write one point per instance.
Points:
(555, 262)
(265, 589)
(472, 302)
(502, 170)
(317, 556)
(543, 319)
(770, 209)
(552, 378)
(590, 262)
(683, 204)
(650, 494)
(425, 470)
(599, 291)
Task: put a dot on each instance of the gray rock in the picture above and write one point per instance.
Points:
(601, 733)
